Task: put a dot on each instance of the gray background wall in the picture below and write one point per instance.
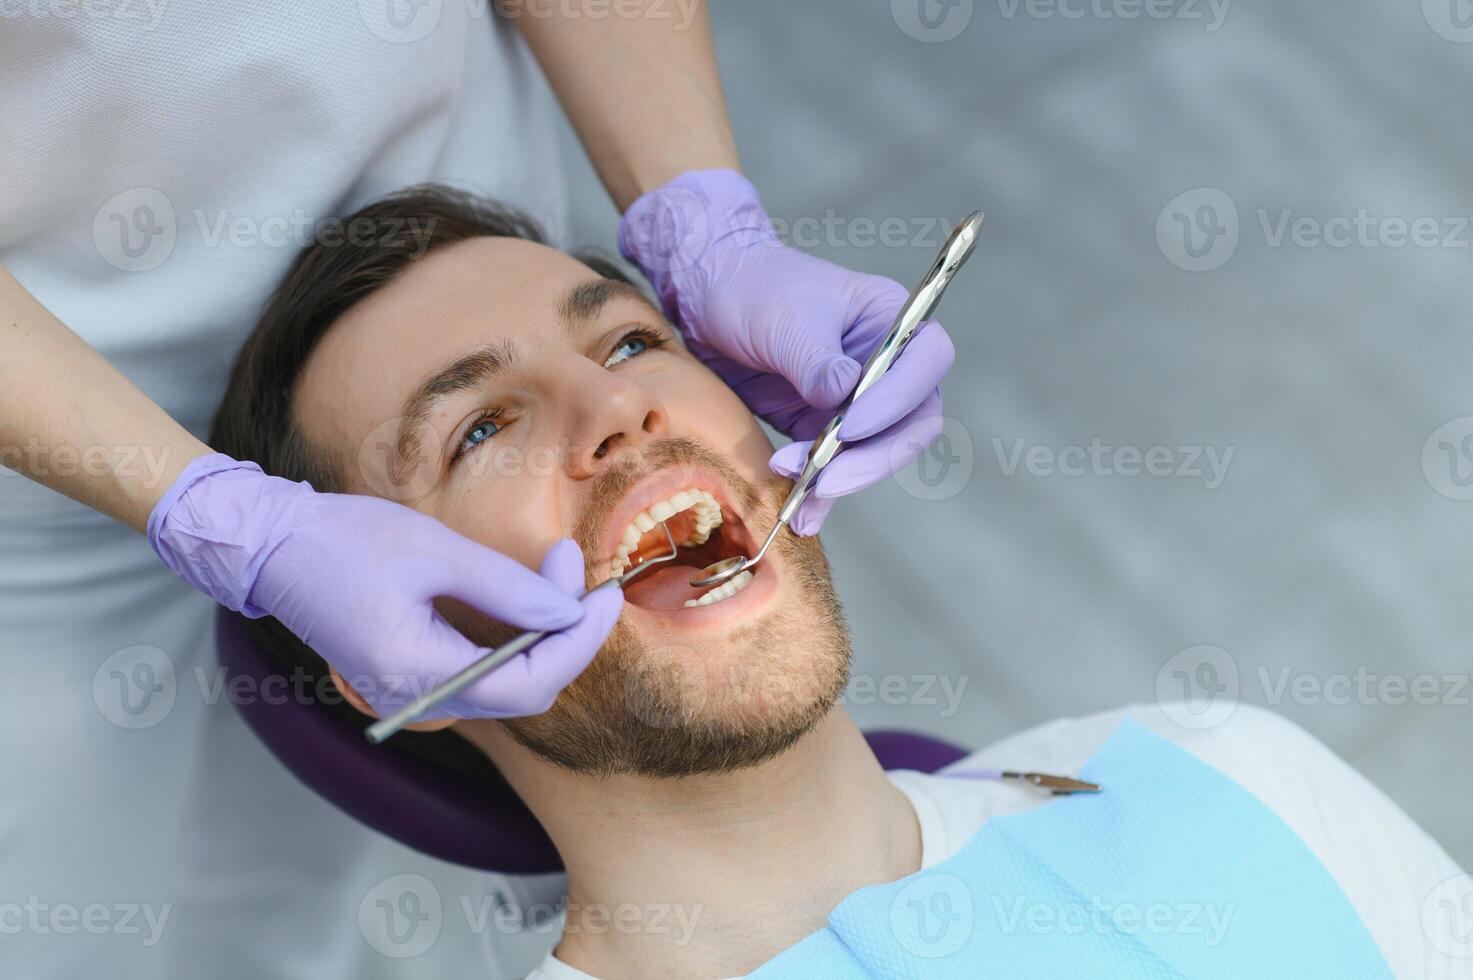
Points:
(1333, 555)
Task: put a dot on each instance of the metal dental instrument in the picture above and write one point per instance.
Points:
(1056, 785)
(473, 672)
(826, 446)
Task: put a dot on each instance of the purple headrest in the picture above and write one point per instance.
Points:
(434, 811)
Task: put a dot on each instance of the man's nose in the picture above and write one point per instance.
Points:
(613, 415)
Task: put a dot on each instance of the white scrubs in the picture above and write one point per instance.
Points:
(161, 163)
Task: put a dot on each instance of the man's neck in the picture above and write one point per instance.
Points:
(710, 876)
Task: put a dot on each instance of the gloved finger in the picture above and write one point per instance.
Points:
(805, 423)
(502, 588)
(875, 302)
(826, 378)
(782, 407)
(810, 357)
(914, 375)
(771, 395)
(811, 515)
(859, 465)
(863, 464)
(437, 651)
(788, 461)
(528, 683)
(563, 566)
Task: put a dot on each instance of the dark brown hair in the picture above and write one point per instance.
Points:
(256, 422)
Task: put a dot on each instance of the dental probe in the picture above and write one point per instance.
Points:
(826, 446)
(474, 671)
(1056, 785)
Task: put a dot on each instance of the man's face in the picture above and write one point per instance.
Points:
(508, 390)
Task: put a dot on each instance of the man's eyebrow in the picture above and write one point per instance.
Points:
(462, 374)
(586, 301)
(579, 305)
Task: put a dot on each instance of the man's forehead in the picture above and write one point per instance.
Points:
(474, 291)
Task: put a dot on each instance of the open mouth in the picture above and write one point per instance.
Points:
(704, 530)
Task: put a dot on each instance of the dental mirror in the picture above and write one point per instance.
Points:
(826, 446)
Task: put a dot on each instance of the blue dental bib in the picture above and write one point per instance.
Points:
(1173, 870)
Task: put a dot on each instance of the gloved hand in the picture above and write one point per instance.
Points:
(355, 578)
(787, 331)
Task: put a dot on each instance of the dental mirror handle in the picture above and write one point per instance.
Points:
(918, 306)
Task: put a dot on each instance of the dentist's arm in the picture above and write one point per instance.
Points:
(786, 330)
(57, 393)
(641, 90)
(355, 577)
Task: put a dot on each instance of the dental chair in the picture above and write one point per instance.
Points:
(430, 810)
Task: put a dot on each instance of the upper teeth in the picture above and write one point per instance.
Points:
(707, 517)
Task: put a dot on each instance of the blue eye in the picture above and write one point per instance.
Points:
(479, 433)
(631, 346)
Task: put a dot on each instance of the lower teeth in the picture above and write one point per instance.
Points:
(725, 591)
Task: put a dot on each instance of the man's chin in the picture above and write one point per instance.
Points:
(667, 701)
(746, 676)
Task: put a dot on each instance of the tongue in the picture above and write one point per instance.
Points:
(663, 588)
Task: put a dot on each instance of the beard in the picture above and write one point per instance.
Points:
(712, 705)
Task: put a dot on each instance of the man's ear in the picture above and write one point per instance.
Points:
(351, 696)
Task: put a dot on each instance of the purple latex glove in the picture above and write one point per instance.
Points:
(787, 331)
(355, 578)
